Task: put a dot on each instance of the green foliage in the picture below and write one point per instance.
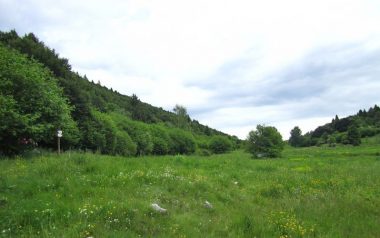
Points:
(353, 135)
(32, 105)
(144, 143)
(220, 144)
(138, 111)
(105, 133)
(104, 120)
(265, 141)
(181, 142)
(331, 140)
(369, 131)
(146, 139)
(124, 144)
(86, 95)
(202, 142)
(161, 140)
(363, 124)
(203, 152)
(104, 136)
(182, 116)
(296, 139)
(160, 146)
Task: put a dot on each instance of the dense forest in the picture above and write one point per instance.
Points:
(348, 130)
(39, 94)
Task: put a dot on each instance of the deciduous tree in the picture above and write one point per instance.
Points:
(265, 141)
(296, 139)
(32, 105)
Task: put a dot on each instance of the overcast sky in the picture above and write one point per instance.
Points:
(233, 64)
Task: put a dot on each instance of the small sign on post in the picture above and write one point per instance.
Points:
(59, 135)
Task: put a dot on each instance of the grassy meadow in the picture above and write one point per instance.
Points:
(310, 192)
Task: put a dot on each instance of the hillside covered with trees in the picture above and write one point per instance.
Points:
(348, 130)
(39, 93)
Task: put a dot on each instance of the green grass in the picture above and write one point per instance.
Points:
(310, 192)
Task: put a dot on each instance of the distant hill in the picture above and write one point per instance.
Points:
(105, 120)
(365, 123)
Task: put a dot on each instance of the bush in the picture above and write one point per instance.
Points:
(203, 152)
(101, 133)
(124, 144)
(331, 140)
(265, 141)
(220, 144)
(144, 143)
(32, 106)
(138, 131)
(160, 146)
(353, 135)
(368, 131)
(160, 139)
(181, 142)
(202, 142)
(341, 138)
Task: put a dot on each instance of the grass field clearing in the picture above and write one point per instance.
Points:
(310, 192)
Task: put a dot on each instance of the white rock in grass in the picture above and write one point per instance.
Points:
(158, 208)
(208, 205)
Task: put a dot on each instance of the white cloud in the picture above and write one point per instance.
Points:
(171, 51)
(164, 92)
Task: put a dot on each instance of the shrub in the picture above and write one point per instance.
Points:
(101, 133)
(124, 144)
(160, 139)
(353, 135)
(202, 142)
(144, 143)
(139, 133)
(32, 106)
(181, 142)
(203, 152)
(160, 146)
(220, 144)
(265, 141)
(331, 140)
(368, 131)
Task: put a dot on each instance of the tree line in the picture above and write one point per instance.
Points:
(39, 93)
(266, 141)
(348, 130)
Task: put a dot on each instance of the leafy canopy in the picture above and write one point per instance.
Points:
(296, 138)
(265, 141)
(353, 135)
(40, 93)
(220, 144)
(32, 106)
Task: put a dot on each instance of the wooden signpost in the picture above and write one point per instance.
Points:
(59, 135)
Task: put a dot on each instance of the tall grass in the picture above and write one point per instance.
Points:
(310, 192)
